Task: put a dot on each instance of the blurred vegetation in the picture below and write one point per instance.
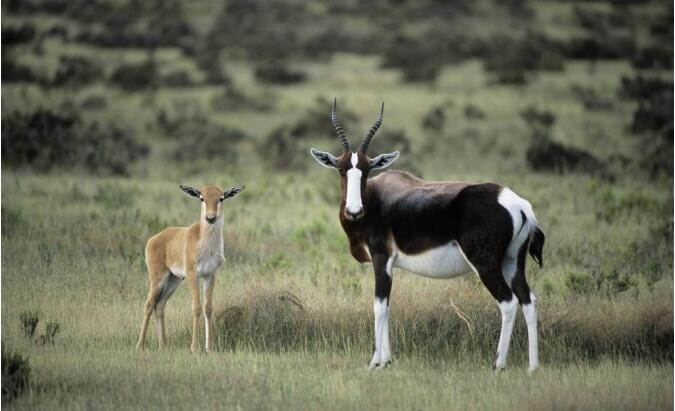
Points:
(109, 105)
(15, 374)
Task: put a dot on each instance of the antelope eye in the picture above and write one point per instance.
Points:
(221, 199)
(201, 199)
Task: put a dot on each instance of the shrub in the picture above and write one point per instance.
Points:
(282, 150)
(199, 138)
(434, 119)
(13, 72)
(52, 329)
(653, 57)
(605, 47)
(15, 374)
(652, 121)
(234, 99)
(512, 60)
(420, 58)
(278, 73)
(44, 140)
(315, 122)
(132, 77)
(580, 283)
(178, 78)
(29, 322)
(547, 155)
(15, 35)
(590, 99)
(473, 112)
(642, 87)
(535, 117)
(76, 70)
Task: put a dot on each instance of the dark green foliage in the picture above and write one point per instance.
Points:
(547, 155)
(282, 150)
(199, 138)
(260, 29)
(535, 117)
(277, 72)
(420, 58)
(512, 60)
(29, 322)
(434, 120)
(13, 72)
(132, 77)
(652, 121)
(607, 47)
(641, 87)
(473, 112)
(653, 57)
(178, 78)
(315, 122)
(590, 98)
(75, 71)
(44, 140)
(52, 329)
(15, 35)
(15, 374)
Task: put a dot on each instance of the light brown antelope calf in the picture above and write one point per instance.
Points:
(194, 252)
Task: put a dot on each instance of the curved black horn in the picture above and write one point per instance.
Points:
(338, 128)
(372, 131)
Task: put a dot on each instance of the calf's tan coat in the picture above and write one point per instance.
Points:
(192, 253)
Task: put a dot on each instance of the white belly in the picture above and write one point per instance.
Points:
(447, 261)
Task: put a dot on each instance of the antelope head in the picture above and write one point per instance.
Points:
(212, 199)
(354, 167)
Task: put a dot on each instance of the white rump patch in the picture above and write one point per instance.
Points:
(515, 204)
(447, 261)
(353, 201)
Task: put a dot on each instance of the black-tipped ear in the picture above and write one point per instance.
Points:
(190, 191)
(233, 192)
(325, 159)
(383, 160)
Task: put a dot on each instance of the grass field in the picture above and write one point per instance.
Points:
(293, 309)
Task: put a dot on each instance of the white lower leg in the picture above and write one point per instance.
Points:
(207, 331)
(381, 311)
(530, 313)
(386, 353)
(508, 310)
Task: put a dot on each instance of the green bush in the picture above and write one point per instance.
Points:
(278, 73)
(44, 140)
(15, 374)
(29, 322)
(133, 77)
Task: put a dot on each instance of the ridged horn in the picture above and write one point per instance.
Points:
(372, 131)
(338, 127)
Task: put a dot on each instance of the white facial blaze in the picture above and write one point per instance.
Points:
(354, 205)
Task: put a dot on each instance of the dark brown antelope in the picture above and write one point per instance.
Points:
(195, 253)
(438, 230)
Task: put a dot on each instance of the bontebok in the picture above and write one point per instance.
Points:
(438, 230)
(194, 253)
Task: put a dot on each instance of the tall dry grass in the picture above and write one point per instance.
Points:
(436, 326)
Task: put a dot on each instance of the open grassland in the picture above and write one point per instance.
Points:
(293, 309)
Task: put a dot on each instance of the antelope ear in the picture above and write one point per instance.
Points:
(233, 192)
(190, 191)
(383, 160)
(325, 159)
